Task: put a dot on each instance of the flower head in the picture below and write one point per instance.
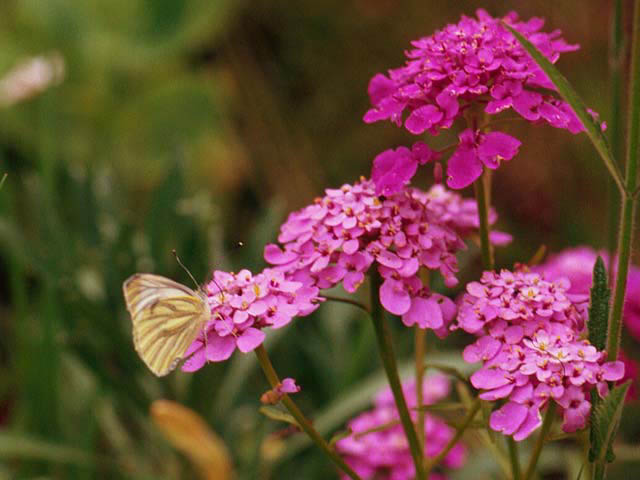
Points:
(383, 453)
(342, 235)
(531, 350)
(242, 305)
(475, 60)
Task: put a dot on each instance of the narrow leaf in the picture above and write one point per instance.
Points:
(448, 369)
(605, 423)
(276, 414)
(4, 177)
(599, 306)
(569, 95)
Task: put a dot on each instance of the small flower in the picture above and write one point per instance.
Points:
(475, 150)
(377, 447)
(242, 305)
(392, 169)
(273, 396)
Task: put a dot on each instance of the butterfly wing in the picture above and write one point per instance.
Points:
(167, 317)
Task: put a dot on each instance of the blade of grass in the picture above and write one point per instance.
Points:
(569, 95)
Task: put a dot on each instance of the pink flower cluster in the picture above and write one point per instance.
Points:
(383, 453)
(576, 264)
(341, 235)
(530, 345)
(475, 60)
(242, 304)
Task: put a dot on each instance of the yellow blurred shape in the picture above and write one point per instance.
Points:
(188, 432)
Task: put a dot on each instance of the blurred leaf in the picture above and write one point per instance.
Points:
(570, 96)
(454, 372)
(275, 413)
(4, 177)
(190, 434)
(21, 446)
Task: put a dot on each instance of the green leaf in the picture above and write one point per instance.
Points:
(605, 423)
(4, 177)
(568, 94)
(276, 414)
(599, 306)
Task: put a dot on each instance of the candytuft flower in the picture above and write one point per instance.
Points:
(531, 350)
(242, 305)
(342, 235)
(475, 59)
(383, 453)
(286, 386)
(479, 61)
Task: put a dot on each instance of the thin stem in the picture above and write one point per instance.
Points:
(420, 347)
(628, 204)
(542, 438)
(296, 413)
(435, 461)
(349, 301)
(616, 48)
(514, 458)
(385, 347)
(481, 188)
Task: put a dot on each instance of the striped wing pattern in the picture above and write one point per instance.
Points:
(167, 317)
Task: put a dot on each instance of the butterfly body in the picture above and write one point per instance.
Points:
(167, 317)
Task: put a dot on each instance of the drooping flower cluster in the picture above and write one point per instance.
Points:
(532, 352)
(242, 304)
(479, 61)
(576, 264)
(383, 453)
(341, 235)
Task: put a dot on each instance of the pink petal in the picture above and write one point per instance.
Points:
(275, 256)
(394, 297)
(509, 418)
(464, 167)
(250, 340)
(219, 348)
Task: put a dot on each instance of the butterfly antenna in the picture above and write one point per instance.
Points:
(184, 268)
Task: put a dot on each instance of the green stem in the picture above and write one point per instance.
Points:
(296, 413)
(481, 189)
(385, 347)
(616, 57)
(628, 204)
(420, 347)
(514, 459)
(435, 461)
(349, 301)
(599, 470)
(542, 437)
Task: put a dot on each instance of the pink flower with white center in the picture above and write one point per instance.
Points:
(375, 452)
(342, 235)
(242, 305)
(531, 350)
(475, 60)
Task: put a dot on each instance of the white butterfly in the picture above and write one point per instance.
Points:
(167, 317)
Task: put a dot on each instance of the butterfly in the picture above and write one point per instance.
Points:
(167, 317)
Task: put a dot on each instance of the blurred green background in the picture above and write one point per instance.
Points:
(196, 125)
